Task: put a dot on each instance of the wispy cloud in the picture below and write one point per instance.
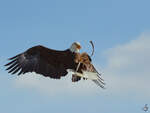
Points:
(54, 87)
(127, 70)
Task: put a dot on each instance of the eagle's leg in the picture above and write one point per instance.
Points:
(75, 78)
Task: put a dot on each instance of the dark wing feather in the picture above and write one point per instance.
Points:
(43, 61)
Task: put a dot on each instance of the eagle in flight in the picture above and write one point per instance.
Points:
(55, 63)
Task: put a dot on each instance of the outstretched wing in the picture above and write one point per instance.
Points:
(43, 61)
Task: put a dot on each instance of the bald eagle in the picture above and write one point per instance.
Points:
(54, 64)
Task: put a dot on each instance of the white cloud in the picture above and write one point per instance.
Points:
(53, 87)
(127, 70)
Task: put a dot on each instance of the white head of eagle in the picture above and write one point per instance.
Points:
(75, 47)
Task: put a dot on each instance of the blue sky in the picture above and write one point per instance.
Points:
(120, 31)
